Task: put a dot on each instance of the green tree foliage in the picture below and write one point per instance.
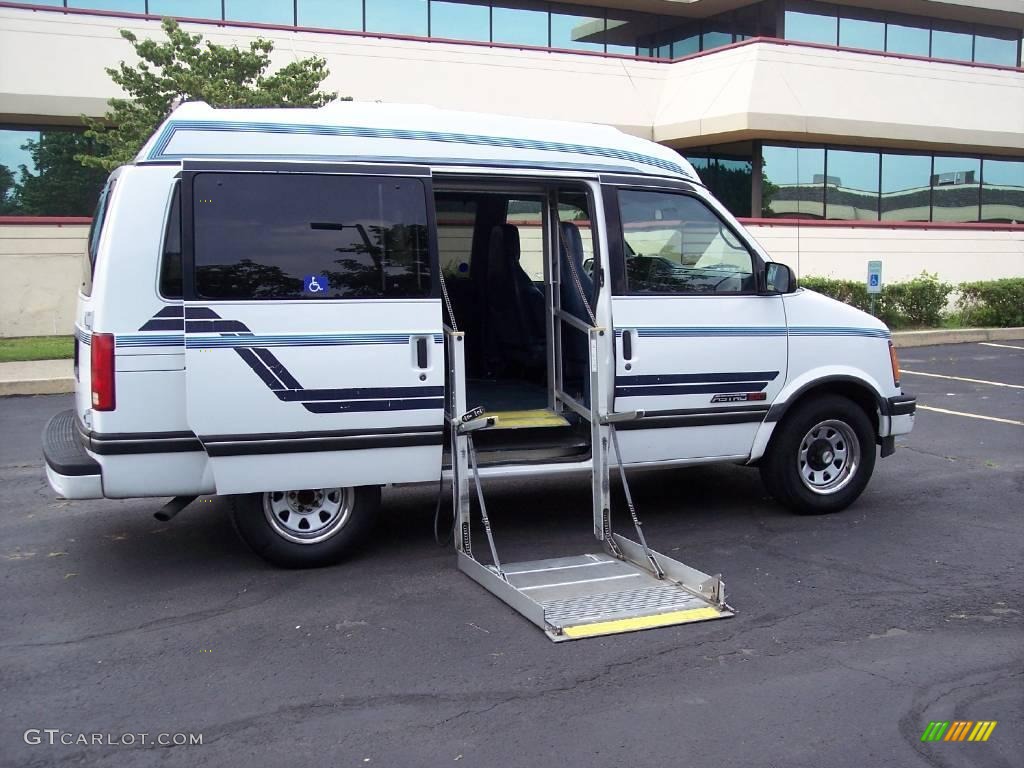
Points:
(7, 191)
(184, 68)
(61, 186)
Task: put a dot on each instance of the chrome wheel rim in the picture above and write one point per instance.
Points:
(829, 456)
(308, 516)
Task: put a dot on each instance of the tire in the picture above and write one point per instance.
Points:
(305, 529)
(796, 469)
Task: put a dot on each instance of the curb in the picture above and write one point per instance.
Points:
(904, 339)
(58, 386)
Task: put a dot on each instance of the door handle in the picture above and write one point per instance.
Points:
(421, 352)
(627, 344)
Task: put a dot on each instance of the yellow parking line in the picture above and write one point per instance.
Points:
(993, 344)
(962, 378)
(971, 415)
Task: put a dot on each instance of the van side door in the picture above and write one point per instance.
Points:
(313, 347)
(699, 348)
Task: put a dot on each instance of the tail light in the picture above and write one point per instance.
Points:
(895, 362)
(103, 372)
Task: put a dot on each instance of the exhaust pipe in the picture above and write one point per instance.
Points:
(169, 511)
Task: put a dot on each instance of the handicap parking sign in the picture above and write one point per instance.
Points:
(315, 284)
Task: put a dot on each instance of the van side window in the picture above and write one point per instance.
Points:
(93, 241)
(307, 236)
(170, 261)
(675, 244)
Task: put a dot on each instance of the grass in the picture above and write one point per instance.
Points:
(36, 348)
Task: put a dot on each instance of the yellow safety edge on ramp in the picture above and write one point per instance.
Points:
(539, 417)
(643, 622)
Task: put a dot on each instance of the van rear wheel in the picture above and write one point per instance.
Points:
(821, 456)
(306, 528)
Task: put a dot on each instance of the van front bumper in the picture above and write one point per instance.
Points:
(70, 470)
(901, 421)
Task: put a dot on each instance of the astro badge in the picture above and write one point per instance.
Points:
(315, 284)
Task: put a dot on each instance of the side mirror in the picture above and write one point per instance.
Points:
(778, 278)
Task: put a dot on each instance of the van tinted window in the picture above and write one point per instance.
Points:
(304, 236)
(170, 262)
(93, 242)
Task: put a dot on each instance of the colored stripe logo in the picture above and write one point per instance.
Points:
(959, 730)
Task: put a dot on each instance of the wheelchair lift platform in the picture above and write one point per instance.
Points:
(626, 586)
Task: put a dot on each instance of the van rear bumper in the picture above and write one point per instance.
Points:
(70, 470)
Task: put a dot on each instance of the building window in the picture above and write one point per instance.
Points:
(1002, 191)
(851, 185)
(956, 189)
(952, 41)
(124, 6)
(397, 17)
(811, 23)
(522, 24)
(330, 14)
(280, 12)
(997, 46)
(577, 28)
(728, 175)
(906, 194)
(460, 21)
(39, 175)
(868, 34)
(194, 9)
(793, 185)
(632, 33)
(908, 36)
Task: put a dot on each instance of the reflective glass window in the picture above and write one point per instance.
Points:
(460, 21)
(1002, 191)
(524, 24)
(674, 244)
(997, 47)
(702, 166)
(261, 11)
(794, 182)
(757, 20)
(300, 236)
(952, 42)
(955, 188)
(331, 14)
(907, 37)
(731, 184)
(905, 187)
(632, 33)
(39, 175)
(684, 37)
(195, 9)
(862, 33)
(397, 17)
(851, 186)
(811, 23)
(577, 28)
(127, 6)
(715, 37)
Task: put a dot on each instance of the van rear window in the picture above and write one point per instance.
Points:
(93, 241)
(306, 236)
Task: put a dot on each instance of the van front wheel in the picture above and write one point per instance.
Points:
(305, 528)
(821, 456)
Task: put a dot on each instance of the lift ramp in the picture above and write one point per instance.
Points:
(624, 587)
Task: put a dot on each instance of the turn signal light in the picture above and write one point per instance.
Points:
(102, 372)
(895, 361)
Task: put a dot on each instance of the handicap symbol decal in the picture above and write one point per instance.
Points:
(315, 283)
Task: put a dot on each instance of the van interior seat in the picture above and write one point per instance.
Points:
(515, 307)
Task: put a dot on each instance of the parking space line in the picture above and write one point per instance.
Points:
(970, 415)
(962, 378)
(993, 344)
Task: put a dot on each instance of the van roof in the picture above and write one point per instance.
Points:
(405, 133)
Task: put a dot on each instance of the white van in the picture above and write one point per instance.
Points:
(296, 307)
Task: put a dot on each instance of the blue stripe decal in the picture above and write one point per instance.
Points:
(150, 340)
(755, 331)
(83, 336)
(506, 142)
(208, 341)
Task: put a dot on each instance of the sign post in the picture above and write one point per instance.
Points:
(874, 283)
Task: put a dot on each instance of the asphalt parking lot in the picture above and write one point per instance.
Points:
(853, 630)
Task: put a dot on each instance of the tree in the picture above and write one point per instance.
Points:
(183, 68)
(61, 186)
(7, 190)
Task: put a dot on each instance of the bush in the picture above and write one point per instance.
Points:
(998, 303)
(849, 292)
(917, 302)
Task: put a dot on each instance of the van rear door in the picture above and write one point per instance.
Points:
(313, 332)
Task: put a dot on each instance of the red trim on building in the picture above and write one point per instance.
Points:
(37, 220)
(485, 44)
(852, 224)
